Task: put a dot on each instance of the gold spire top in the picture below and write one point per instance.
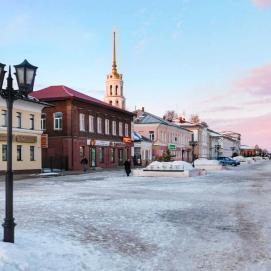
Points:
(114, 65)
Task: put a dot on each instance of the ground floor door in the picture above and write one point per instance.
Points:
(92, 156)
(120, 156)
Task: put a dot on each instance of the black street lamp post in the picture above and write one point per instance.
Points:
(25, 75)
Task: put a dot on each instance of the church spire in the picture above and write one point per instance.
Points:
(114, 65)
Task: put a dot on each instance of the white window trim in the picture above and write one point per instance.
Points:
(114, 127)
(120, 129)
(91, 123)
(82, 122)
(107, 126)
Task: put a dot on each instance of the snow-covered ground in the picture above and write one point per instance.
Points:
(106, 221)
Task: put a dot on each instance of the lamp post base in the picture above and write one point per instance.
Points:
(9, 226)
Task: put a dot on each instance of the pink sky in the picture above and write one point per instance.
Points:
(244, 108)
(262, 3)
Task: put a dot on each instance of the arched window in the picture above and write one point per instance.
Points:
(116, 91)
(110, 102)
(117, 102)
(111, 90)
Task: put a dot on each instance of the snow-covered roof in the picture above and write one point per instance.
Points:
(148, 118)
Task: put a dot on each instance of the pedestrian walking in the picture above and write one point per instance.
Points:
(127, 167)
(84, 163)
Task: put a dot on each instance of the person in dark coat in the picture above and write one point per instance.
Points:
(127, 167)
(84, 163)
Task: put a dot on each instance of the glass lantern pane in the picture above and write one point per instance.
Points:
(29, 76)
(20, 75)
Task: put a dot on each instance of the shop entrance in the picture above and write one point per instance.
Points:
(92, 156)
(120, 156)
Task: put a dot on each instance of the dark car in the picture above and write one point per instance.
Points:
(228, 161)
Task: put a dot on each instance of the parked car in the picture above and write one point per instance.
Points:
(228, 161)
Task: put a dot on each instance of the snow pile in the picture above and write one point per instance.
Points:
(240, 158)
(206, 164)
(249, 160)
(203, 161)
(257, 158)
(176, 165)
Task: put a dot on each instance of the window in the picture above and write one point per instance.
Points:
(151, 135)
(116, 91)
(82, 122)
(4, 152)
(110, 102)
(111, 93)
(43, 121)
(114, 127)
(91, 124)
(126, 129)
(32, 120)
(99, 125)
(112, 155)
(120, 129)
(19, 152)
(58, 120)
(101, 155)
(32, 153)
(19, 120)
(107, 127)
(4, 118)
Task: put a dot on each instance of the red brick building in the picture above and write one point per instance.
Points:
(80, 126)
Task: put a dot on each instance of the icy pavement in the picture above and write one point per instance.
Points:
(106, 221)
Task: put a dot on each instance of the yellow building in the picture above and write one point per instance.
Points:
(26, 147)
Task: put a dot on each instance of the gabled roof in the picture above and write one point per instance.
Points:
(148, 118)
(136, 137)
(61, 92)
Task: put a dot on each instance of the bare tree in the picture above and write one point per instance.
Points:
(170, 115)
(194, 118)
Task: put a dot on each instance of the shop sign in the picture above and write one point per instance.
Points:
(102, 143)
(26, 139)
(118, 144)
(127, 139)
(3, 137)
(44, 141)
(172, 147)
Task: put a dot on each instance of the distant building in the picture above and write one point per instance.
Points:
(142, 149)
(200, 136)
(165, 136)
(81, 126)
(248, 150)
(26, 135)
(224, 144)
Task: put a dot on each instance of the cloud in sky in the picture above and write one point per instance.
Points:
(254, 131)
(258, 82)
(262, 3)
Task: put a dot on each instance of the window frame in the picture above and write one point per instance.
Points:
(82, 123)
(59, 121)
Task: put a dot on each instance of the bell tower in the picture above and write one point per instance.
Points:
(114, 83)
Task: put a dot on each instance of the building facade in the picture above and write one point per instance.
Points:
(200, 137)
(26, 146)
(165, 136)
(224, 144)
(142, 155)
(79, 126)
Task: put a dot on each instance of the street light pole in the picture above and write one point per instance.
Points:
(9, 223)
(193, 143)
(25, 75)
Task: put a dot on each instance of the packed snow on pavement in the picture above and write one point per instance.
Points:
(107, 221)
